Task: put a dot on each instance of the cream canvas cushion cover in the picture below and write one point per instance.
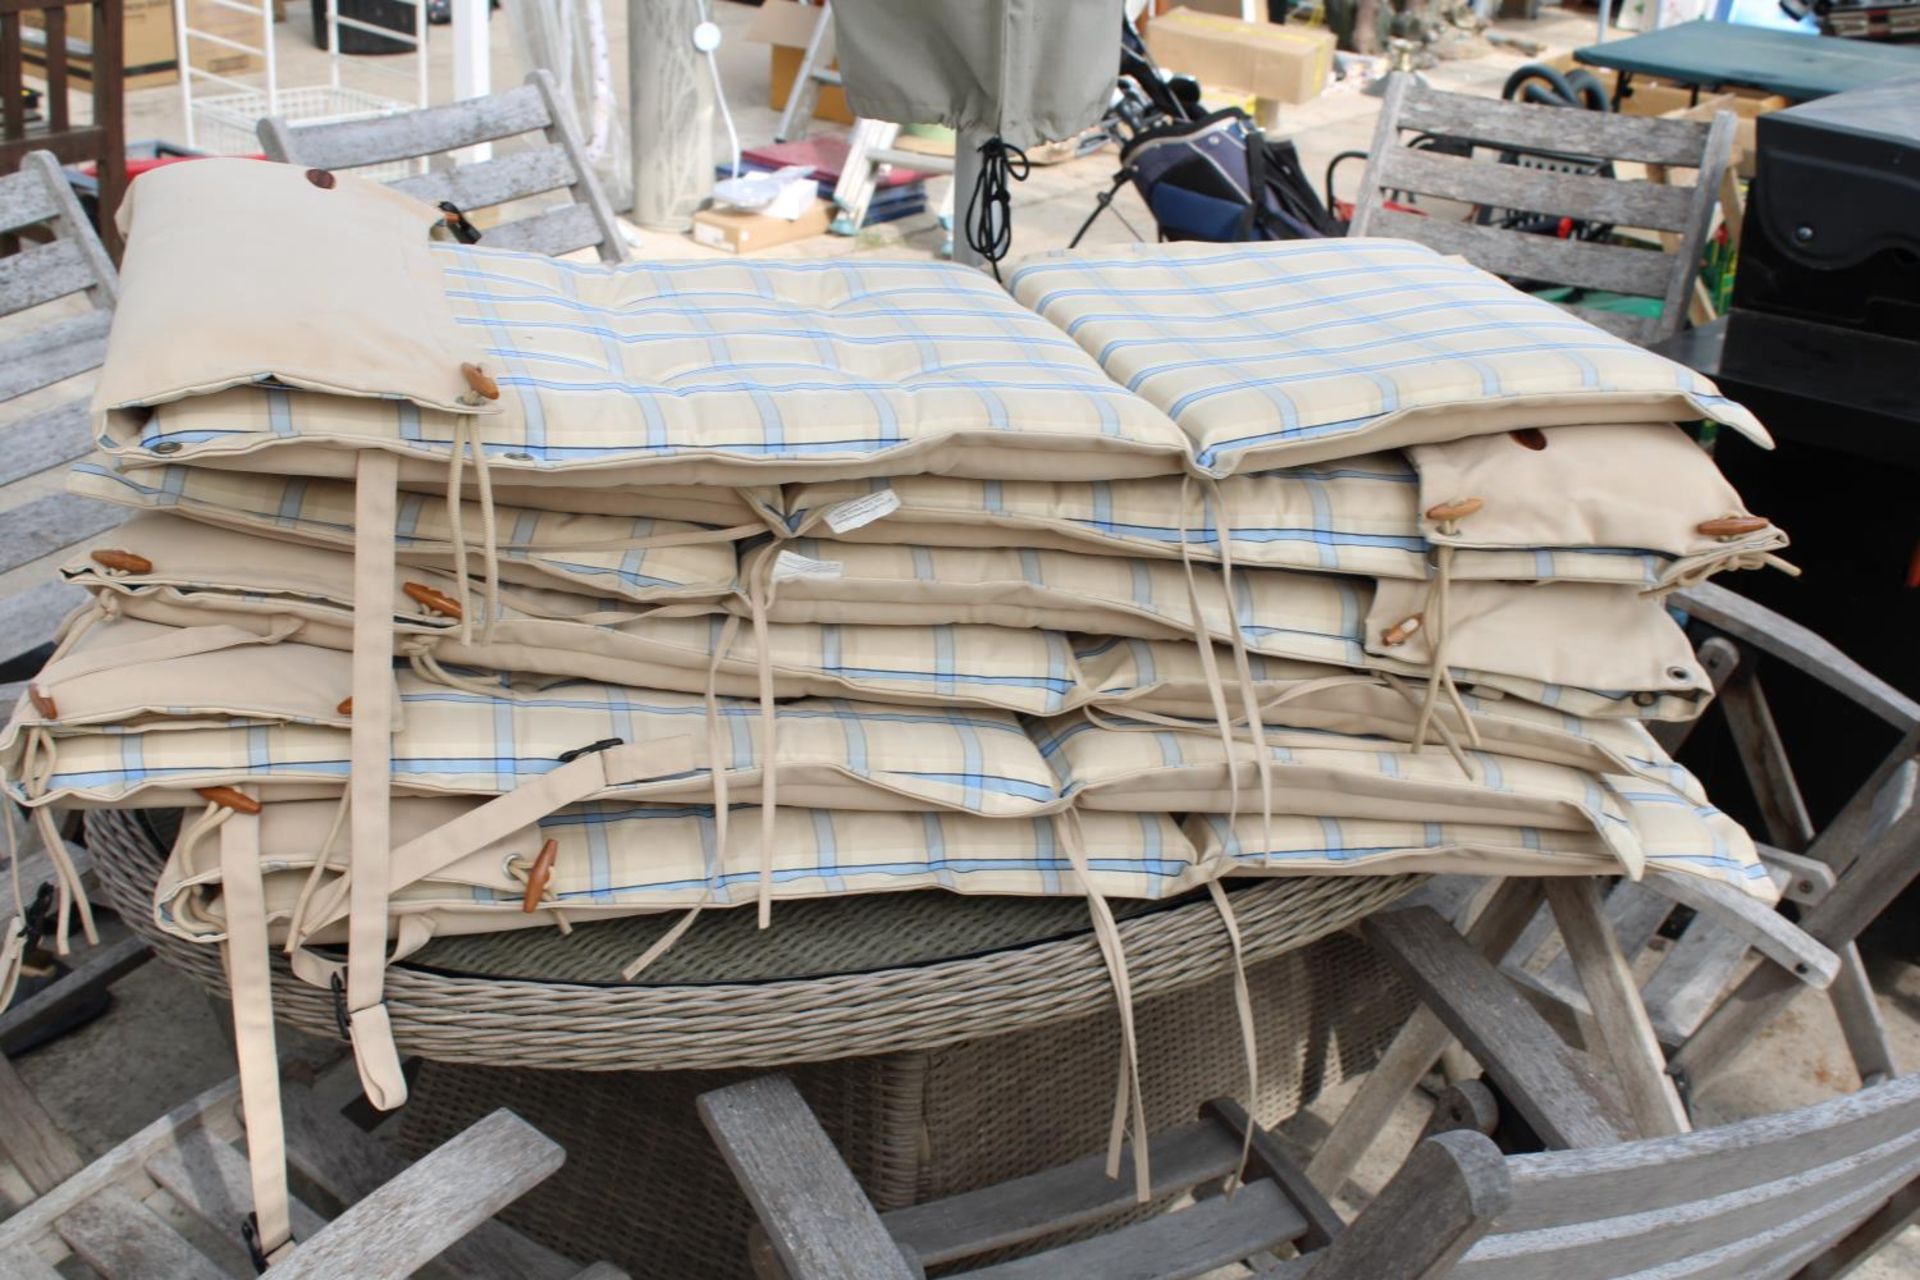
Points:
(1615, 492)
(599, 555)
(1297, 351)
(620, 859)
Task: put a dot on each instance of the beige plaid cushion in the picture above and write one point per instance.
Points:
(1308, 617)
(588, 553)
(619, 859)
(1544, 518)
(1302, 350)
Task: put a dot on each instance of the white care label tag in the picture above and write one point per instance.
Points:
(788, 566)
(855, 512)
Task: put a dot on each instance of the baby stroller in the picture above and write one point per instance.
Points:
(1203, 175)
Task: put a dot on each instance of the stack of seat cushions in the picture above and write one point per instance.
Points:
(469, 590)
(724, 583)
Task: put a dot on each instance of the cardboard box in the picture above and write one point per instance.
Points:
(787, 26)
(147, 43)
(739, 232)
(1274, 63)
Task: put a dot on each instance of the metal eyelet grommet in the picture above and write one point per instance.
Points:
(321, 178)
(517, 457)
(1645, 699)
(165, 447)
(1530, 437)
(1679, 675)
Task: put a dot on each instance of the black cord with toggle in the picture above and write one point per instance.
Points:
(989, 228)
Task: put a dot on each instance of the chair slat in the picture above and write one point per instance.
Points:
(1530, 127)
(66, 347)
(45, 441)
(1011, 1212)
(1682, 991)
(480, 186)
(27, 1265)
(29, 619)
(211, 1179)
(411, 134)
(1707, 1221)
(1214, 1233)
(404, 1225)
(553, 233)
(1617, 268)
(1650, 205)
(1662, 1172)
(24, 200)
(41, 274)
(122, 1239)
(50, 524)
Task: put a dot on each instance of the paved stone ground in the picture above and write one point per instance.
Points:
(161, 1042)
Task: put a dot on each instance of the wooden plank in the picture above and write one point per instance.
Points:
(1368, 200)
(565, 131)
(1867, 1239)
(1558, 1093)
(1524, 127)
(1764, 758)
(1072, 1195)
(1516, 255)
(480, 186)
(1799, 647)
(1689, 982)
(1450, 1191)
(44, 441)
(817, 1219)
(410, 1220)
(1711, 161)
(50, 524)
(1415, 1049)
(555, 232)
(211, 1179)
(121, 1238)
(1267, 1158)
(93, 968)
(1634, 915)
(45, 1156)
(24, 200)
(41, 274)
(30, 619)
(71, 223)
(1215, 1232)
(1885, 869)
(1801, 879)
(1661, 1173)
(1860, 1022)
(1627, 1038)
(1489, 183)
(601, 1271)
(1698, 1223)
(408, 135)
(349, 1164)
(25, 1264)
(59, 349)
(1761, 926)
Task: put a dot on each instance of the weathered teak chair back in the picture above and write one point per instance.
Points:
(101, 140)
(71, 280)
(558, 163)
(1755, 1200)
(1681, 214)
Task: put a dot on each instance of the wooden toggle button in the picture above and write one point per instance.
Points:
(538, 875)
(1458, 509)
(1530, 437)
(125, 561)
(228, 798)
(345, 708)
(480, 382)
(42, 703)
(1401, 631)
(1732, 526)
(422, 594)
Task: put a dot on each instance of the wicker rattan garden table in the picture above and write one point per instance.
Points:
(946, 1042)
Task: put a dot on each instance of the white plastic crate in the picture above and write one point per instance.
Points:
(224, 123)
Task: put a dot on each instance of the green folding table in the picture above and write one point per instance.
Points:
(1719, 55)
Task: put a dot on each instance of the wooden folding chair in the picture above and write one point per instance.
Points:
(557, 164)
(1495, 134)
(1806, 1195)
(122, 1214)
